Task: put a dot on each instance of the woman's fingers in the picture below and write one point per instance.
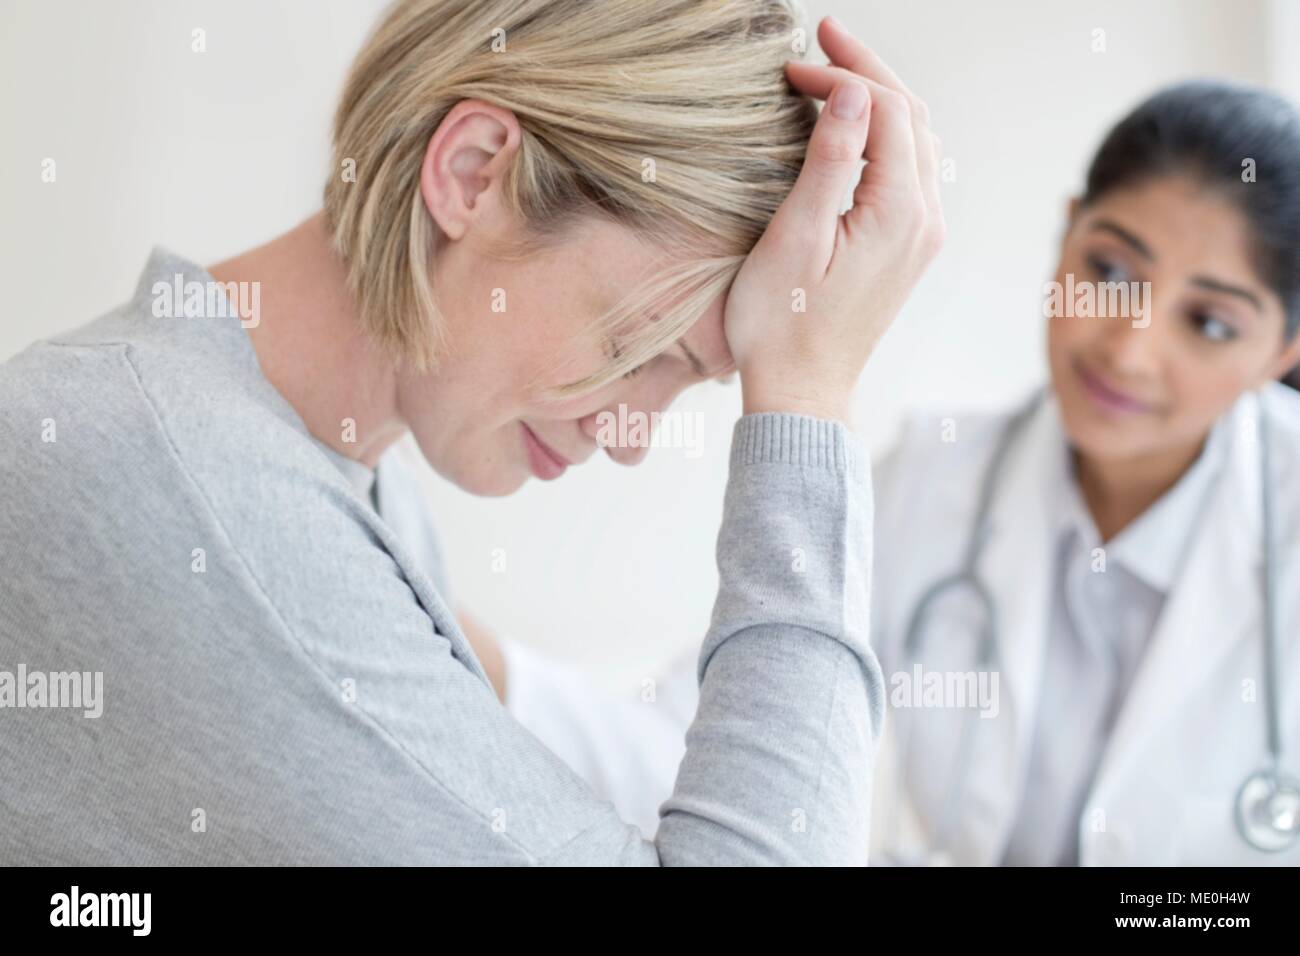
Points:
(818, 81)
(849, 56)
(852, 272)
(891, 179)
(830, 165)
(929, 173)
(892, 176)
(847, 51)
(900, 165)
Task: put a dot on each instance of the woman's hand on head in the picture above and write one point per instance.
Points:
(819, 289)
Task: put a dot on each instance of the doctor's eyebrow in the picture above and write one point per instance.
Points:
(1214, 285)
(1204, 282)
(1140, 247)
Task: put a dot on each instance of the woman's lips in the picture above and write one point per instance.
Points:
(1108, 398)
(546, 464)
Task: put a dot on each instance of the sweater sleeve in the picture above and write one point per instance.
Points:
(628, 750)
(778, 761)
(779, 758)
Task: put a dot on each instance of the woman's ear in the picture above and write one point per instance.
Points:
(465, 162)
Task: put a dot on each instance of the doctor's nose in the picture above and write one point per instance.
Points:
(625, 427)
(1133, 347)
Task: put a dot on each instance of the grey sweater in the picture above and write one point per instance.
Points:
(283, 684)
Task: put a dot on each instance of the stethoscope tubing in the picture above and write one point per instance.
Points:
(967, 575)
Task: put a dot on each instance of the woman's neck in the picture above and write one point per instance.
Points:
(1118, 491)
(310, 344)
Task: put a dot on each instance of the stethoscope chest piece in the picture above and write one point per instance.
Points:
(1268, 811)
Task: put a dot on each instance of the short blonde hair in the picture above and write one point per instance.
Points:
(671, 117)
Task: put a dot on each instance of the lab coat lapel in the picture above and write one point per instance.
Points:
(1194, 634)
(1016, 565)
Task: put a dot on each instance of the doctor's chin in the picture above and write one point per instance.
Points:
(656, 433)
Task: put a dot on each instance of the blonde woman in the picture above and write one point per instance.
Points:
(191, 504)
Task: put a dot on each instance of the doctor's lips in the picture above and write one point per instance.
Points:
(546, 463)
(1108, 397)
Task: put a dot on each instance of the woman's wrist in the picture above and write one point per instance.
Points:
(827, 403)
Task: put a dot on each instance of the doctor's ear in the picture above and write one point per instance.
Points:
(470, 151)
(1072, 209)
(1289, 358)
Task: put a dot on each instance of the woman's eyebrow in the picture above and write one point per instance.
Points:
(696, 364)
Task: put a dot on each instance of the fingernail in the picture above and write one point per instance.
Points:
(835, 23)
(849, 100)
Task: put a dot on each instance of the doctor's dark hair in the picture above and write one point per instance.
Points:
(1217, 132)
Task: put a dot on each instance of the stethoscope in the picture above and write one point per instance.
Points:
(1268, 801)
(1267, 810)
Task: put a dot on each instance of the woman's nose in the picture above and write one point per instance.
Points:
(625, 427)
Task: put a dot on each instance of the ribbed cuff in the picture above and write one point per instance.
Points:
(787, 439)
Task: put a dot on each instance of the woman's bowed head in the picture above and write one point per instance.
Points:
(492, 274)
(495, 271)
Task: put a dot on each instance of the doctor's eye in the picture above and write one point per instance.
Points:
(1108, 270)
(1212, 327)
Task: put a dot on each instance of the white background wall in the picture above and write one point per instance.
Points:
(612, 568)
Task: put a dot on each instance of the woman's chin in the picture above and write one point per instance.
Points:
(495, 485)
(483, 479)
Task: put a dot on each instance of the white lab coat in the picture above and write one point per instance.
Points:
(1192, 726)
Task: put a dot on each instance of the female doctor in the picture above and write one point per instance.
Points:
(1087, 608)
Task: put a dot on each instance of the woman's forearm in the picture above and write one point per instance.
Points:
(786, 652)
